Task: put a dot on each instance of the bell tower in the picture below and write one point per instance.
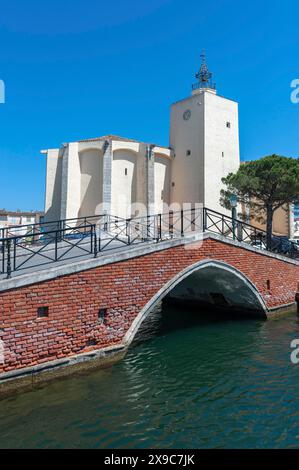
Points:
(204, 138)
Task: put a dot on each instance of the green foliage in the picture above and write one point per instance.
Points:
(272, 181)
(264, 185)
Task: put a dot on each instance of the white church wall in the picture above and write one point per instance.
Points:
(123, 182)
(71, 182)
(141, 190)
(162, 182)
(91, 187)
(53, 184)
(221, 153)
(186, 141)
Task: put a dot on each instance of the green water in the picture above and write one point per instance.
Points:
(188, 382)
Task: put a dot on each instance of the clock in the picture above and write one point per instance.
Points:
(187, 115)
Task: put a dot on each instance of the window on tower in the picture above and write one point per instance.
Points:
(228, 124)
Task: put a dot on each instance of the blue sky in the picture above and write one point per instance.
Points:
(81, 69)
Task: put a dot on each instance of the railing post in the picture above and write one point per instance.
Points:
(234, 214)
(56, 244)
(94, 240)
(59, 228)
(8, 265)
(170, 224)
(193, 218)
(148, 228)
(2, 248)
(100, 241)
(204, 222)
(182, 222)
(159, 228)
(128, 231)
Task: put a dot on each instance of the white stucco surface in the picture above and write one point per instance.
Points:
(53, 184)
(124, 174)
(205, 148)
(162, 183)
(124, 182)
(91, 172)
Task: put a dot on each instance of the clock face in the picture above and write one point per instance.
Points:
(187, 115)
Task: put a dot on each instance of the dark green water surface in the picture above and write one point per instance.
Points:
(187, 382)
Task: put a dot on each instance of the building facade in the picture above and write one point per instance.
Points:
(285, 221)
(116, 175)
(18, 219)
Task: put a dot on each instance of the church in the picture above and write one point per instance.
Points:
(117, 174)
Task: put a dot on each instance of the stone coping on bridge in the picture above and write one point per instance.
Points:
(122, 255)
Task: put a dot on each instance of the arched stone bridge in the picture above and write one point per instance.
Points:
(92, 309)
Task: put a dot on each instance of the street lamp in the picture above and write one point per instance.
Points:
(234, 202)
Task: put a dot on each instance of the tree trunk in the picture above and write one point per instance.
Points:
(269, 226)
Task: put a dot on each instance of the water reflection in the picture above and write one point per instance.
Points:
(189, 380)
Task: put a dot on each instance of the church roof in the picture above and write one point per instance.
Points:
(117, 137)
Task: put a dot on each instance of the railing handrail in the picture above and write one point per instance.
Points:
(49, 222)
(236, 220)
(28, 235)
(114, 231)
(119, 219)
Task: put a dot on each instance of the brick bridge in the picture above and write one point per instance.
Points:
(92, 308)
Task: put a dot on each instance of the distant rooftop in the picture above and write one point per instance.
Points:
(4, 212)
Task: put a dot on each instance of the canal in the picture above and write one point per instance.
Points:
(189, 381)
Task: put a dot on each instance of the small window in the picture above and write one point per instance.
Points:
(43, 312)
(173, 184)
(268, 284)
(188, 153)
(222, 154)
(228, 125)
(126, 171)
(102, 315)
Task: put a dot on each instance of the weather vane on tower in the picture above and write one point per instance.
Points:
(204, 76)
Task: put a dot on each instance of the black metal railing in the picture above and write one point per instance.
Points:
(41, 227)
(238, 230)
(19, 253)
(65, 240)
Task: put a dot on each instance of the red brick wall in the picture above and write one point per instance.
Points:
(123, 288)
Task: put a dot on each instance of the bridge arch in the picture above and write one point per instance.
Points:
(223, 271)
